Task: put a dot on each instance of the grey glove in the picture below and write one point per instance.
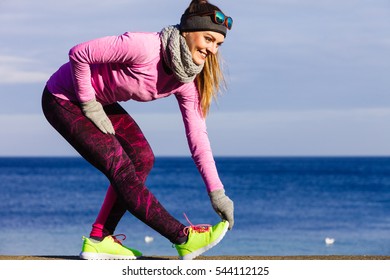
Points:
(223, 205)
(93, 110)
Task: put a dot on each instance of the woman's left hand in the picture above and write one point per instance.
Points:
(94, 111)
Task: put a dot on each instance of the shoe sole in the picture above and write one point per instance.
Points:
(101, 256)
(200, 251)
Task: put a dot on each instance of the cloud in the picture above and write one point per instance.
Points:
(15, 70)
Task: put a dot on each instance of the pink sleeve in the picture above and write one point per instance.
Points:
(198, 141)
(126, 48)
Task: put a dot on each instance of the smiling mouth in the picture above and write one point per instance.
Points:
(202, 54)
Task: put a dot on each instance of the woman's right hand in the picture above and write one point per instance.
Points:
(223, 205)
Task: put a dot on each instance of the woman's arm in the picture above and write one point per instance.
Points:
(198, 140)
(128, 48)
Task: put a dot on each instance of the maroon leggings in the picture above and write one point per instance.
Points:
(125, 158)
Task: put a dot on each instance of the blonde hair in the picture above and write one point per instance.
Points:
(209, 82)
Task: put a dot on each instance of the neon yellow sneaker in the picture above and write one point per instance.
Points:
(110, 248)
(200, 239)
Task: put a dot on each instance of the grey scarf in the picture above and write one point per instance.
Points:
(177, 55)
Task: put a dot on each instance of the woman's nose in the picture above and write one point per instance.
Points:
(213, 48)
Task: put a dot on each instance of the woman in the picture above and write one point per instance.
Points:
(80, 102)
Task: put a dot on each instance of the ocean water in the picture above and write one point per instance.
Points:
(283, 205)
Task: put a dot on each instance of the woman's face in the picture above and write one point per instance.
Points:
(202, 43)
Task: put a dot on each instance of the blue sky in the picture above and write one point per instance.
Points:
(304, 77)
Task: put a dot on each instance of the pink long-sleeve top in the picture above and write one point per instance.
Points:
(130, 67)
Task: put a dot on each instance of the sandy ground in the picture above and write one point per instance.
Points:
(338, 257)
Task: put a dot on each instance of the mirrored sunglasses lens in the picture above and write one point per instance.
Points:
(219, 17)
(229, 22)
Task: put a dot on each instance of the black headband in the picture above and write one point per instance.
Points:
(200, 23)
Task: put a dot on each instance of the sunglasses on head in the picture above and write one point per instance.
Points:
(217, 17)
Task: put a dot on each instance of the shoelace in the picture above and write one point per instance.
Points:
(117, 240)
(197, 228)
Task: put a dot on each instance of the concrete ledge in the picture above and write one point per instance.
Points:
(335, 257)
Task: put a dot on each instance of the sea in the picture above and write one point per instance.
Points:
(284, 206)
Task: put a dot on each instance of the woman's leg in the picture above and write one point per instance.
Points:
(105, 152)
(111, 212)
(138, 149)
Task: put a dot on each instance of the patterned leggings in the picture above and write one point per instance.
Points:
(125, 158)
